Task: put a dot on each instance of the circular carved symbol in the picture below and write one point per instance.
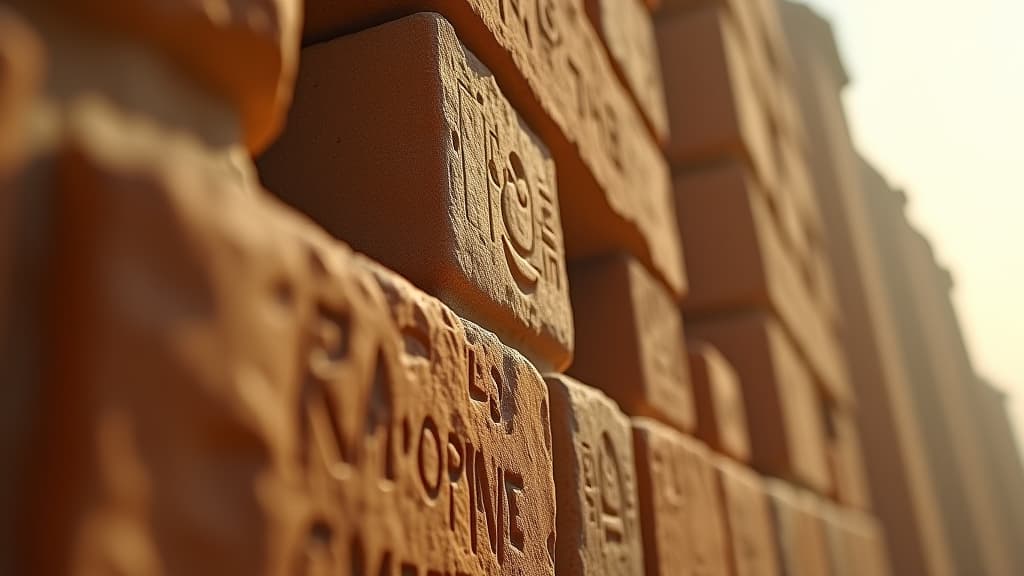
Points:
(517, 207)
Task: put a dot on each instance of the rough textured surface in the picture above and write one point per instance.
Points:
(738, 261)
(475, 195)
(630, 340)
(598, 513)
(243, 51)
(683, 526)
(783, 408)
(551, 65)
(749, 521)
(250, 398)
(627, 30)
(721, 417)
(800, 531)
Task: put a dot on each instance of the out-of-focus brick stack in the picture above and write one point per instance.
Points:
(761, 300)
(450, 340)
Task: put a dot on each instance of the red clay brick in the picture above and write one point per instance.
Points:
(630, 339)
(748, 519)
(552, 67)
(627, 30)
(598, 516)
(482, 230)
(680, 503)
(721, 417)
(737, 260)
(714, 109)
(782, 405)
(800, 531)
(302, 408)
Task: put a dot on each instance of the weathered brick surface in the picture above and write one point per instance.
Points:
(250, 398)
(631, 342)
(783, 408)
(718, 397)
(599, 521)
(751, 533)
(475, 195)
(627, 29)
(552, 67)
(738, 261)
(800, 531)
(680, 503)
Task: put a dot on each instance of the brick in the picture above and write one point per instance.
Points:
(856, 544)
(800, 531)
(249, 397)
(482, 230)
(627, 29)
(680, 502)
(550, 63)
(598, 517)
(721, 417)
(245, 52)
(714, 108)
(748, 519)
(738, 260)
(846, 460)
(630, 339)
(783, 408)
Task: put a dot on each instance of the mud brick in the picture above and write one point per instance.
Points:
(598, 516)
(742, 13)
(856, 544)
(846, 460)
(784, 414)
(627, 30)
(630, 339)
(714, 108)
(446, 163)
(737, 260)
(245, 52)
(800, 531)
(748, 518)
(721, 418)
(236, 393)
(551, 65)
(684, 530)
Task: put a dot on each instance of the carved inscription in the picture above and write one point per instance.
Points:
(598, 520)
(401, 444)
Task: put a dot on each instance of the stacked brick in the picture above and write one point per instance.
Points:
(450, 339)
(761, 310)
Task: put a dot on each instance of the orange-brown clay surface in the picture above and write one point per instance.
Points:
(477, 207)
(631, 342)
(718, 397)
(599, 521)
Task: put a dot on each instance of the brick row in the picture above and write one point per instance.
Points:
(551, 65)
(787, 430)
(718, 397)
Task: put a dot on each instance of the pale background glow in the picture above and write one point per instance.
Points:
(937, 103)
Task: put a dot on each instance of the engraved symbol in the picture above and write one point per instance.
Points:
(473, 132)
(517, 216)
(485, 385)
(613, 499)
(429, 458)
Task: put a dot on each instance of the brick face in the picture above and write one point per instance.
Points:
(482, 231)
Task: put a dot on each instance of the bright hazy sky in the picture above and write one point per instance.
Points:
(937, 103)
